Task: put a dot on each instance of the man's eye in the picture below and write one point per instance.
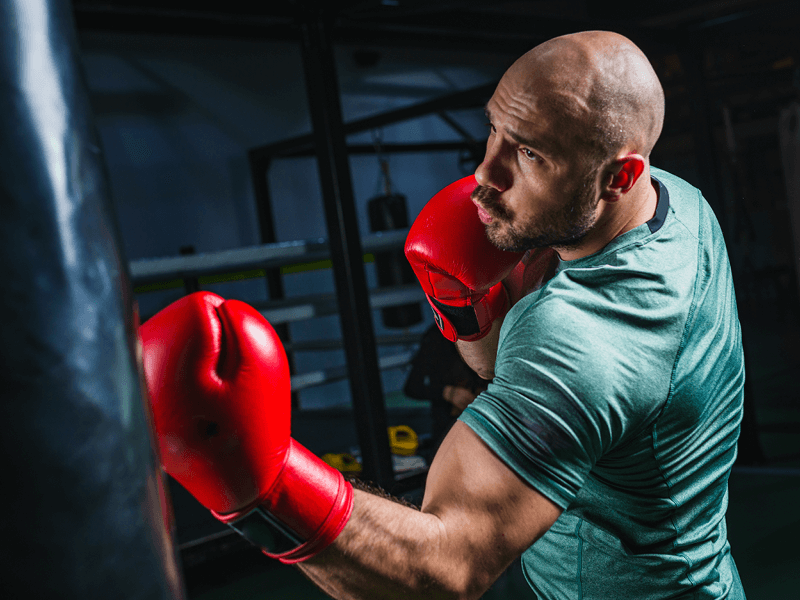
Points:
(491, 128)
(529, 154)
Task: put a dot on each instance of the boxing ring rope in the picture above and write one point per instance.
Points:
(309, 307)
(338, 373)
(150, 270)
(264, 256)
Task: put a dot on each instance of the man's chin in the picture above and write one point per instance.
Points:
(501, 241)
(512, 244)
(506, 239)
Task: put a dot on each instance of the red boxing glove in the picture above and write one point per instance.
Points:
(458, 267)
(219, 385)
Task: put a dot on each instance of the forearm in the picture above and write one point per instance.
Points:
(481, 354)
(388, 550)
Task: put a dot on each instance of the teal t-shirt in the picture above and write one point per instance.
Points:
(618, 394)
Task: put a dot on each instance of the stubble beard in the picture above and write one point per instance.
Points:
(566, 227)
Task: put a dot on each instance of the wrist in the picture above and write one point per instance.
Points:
(480, 355)
(301, 514)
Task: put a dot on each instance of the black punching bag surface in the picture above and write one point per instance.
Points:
(83, 508)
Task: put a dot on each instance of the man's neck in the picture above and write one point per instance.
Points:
(634, 208)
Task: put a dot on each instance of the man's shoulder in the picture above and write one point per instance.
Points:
(686, 202)
(673, 183)
(563, 314)
(599, 308)
(690, 212)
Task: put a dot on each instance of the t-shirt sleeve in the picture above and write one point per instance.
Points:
(555, 405)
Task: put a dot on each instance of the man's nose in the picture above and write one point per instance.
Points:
(492, 172)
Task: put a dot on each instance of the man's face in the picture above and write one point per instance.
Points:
(562, 226)
(536, 187)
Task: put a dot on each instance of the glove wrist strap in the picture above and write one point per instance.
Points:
(262, 529)
(473, 321)
(301, 514)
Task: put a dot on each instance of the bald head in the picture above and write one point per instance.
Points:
(597, 85)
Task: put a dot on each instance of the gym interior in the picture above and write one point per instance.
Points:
(276, 153)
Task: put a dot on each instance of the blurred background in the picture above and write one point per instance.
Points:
(277, 152)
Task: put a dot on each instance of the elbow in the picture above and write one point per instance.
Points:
(452, 569)
(482, 368)
(455, 583)
(486, 373)
(479, 356)
(474, 587)
(469, 590)
(440, 592)
(467, 594)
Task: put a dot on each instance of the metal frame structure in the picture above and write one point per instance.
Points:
(348, 269)
(329, 144)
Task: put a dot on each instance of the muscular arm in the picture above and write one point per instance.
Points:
(477, 516)
(480, 355)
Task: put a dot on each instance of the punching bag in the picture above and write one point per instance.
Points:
(84, 513)
(389, 212)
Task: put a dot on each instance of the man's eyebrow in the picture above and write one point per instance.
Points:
(534, 144)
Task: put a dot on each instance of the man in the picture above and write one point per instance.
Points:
(601, 449)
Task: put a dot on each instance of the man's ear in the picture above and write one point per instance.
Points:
(625, 172)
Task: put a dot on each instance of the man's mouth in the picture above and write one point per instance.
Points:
(485, 196)
(484, 216)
